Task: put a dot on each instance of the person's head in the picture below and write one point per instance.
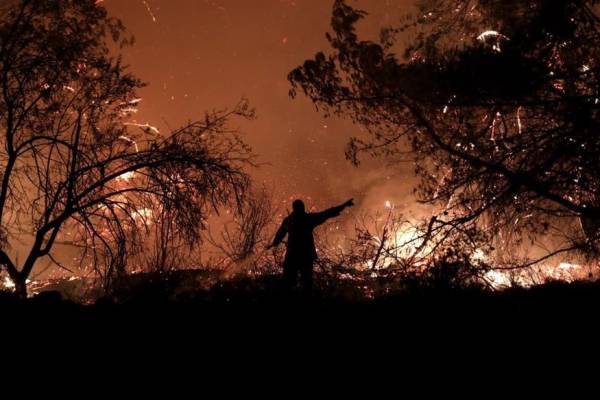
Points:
(298, 206)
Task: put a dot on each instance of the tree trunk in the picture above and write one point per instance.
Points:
(20, 287)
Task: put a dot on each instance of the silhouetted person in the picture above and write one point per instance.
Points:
(301, 252)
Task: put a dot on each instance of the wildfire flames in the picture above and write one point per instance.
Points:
(402, 244)
(406, 242)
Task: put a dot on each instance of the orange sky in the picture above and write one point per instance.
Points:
(204, 54)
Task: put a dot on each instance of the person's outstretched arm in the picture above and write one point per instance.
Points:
(321, 217)
(281, 232)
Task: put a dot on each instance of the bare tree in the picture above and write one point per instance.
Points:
(165, 249)
(389, 248)
(71, 164)
(242, 240)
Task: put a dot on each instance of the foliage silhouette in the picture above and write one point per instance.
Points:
(74, 170)
(497, 103)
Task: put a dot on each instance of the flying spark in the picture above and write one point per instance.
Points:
(145, 127)
(127, 176)
(149, 11)
(127, 139)
(487, 34)
(495, 34)
(129, 110)
(133, 102)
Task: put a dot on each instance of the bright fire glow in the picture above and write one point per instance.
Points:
(143, 213)
(498, 279)
(127, 176)
(479, 255)
(564, 271)
(409, 239)
(403, 244)
(8, 283)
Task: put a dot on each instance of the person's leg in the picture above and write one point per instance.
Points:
(290, 273)
(306, 273)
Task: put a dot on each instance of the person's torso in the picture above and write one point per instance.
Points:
(300, 236)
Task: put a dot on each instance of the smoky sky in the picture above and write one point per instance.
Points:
(200, 55)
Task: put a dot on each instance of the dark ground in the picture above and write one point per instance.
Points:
(246, 328)
(260, 300)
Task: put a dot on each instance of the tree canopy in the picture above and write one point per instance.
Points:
(498, 102)
(72, 165)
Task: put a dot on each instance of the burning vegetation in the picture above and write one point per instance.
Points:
(495, 103)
